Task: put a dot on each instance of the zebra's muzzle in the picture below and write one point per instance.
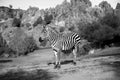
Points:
(41, 40)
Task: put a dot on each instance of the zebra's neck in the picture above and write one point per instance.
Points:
(53, 36)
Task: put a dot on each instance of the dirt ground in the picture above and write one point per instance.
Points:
(105, 67)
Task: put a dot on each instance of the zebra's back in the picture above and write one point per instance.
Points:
(68, 41)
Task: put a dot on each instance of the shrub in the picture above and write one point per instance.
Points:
(84, 49)
(16, 22)
(38, 21)
(17, 46)
(18, 41)
(30, 44)
(2, 41)
(4, 49)
(111, 20)
(98, 33)
(23, 47)
(2, 45)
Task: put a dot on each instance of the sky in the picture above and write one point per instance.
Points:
(42, 4)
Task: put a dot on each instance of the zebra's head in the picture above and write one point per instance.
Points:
(48, 30)
(44, 31)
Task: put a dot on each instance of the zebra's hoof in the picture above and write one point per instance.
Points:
(48, 64)
(57, 67)
(74, 63)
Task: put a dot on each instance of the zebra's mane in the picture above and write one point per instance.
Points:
(53, 30)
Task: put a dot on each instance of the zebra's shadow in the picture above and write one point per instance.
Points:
(62, 62)
(5, 61)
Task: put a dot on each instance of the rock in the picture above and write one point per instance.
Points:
(6, 13)
(31, 15)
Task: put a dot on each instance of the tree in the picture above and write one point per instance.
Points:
(98, 33)
(111, 20)
(118, 6)
(63, 11)
(96, 12)
(106, 7)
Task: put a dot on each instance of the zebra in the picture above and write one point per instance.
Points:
(61, 43)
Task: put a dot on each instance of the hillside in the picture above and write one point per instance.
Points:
(100, 22)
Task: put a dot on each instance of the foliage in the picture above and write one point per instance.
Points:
(48, 18)
(9, 12)
(23, 47)
(30, 44)
(106, 7)
(16, 22)
(79, 22)
(18, 41)
(84, 49)
(38, 21)
(96, 11)
(2, 45)
(118, 6)
(4, 49)
(2, 41)
(98, 33)
(111, 20)
(102, 22)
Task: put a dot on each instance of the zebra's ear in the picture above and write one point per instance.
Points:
(50, 26)
(43, 26)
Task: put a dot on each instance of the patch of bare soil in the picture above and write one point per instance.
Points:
(87, 68)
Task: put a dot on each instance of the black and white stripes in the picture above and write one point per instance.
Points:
(62, 42)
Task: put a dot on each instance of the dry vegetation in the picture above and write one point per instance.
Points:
(20, 29)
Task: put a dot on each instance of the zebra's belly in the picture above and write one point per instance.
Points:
(68, 50)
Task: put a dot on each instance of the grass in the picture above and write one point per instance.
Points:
(27, 75)
(113, 51)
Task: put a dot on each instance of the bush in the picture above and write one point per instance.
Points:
(30, 44)
(23, 47)
(2, 41)
(111, 20)
(84, 49)
(16, 22)
(18, 41)
(38, 21)
(4, 49)
(6, 52)
(2, 45)
(98, 33)
(18, 46)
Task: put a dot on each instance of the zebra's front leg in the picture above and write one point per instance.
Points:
(57, 60)
(75, 56)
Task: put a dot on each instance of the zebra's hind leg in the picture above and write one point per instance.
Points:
(75, 56)
(57, 60)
